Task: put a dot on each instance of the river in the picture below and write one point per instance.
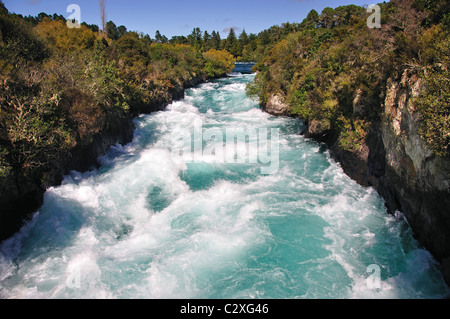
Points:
(216, 199)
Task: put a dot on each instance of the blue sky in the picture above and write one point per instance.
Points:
(179, 17)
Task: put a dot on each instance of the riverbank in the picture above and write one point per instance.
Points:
(21, 197)
(396, 162)
(147, 225)
(68, 94)
(378, 98)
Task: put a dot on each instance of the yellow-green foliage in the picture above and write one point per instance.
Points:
(218, 63)
(434, 101)
(335, 68)
(59, 37)
(59, 87)
(5, 166)
(353, 134)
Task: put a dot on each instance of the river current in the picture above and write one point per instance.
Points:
(171, 215)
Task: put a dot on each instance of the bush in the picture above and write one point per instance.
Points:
(434, 107)
(353, 134)
(218, 63)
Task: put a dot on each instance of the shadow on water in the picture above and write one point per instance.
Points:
(64, 216)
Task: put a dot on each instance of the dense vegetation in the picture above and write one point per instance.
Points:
(59, 87)
(333, 59)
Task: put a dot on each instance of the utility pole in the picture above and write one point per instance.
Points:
(103, 17)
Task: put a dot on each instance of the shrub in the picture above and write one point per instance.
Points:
(218, 63)
(353, 134)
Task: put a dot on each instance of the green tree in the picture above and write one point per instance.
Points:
(3, 9)
(60, 38)
(112, 31)
(92, 27)
(311, 20)
(160, 38)
(264, 36)
(232, 44)
(349, 14)
(215, 40)
(121, 30)
(195, 38)
(243, 38)
(41, 16)
(207, 43)
(231, 39)
(218, 63)
(327, 19)
(179, 40)
(19, 45)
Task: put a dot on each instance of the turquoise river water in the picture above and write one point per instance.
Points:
(158, 222)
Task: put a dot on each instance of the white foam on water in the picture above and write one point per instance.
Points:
(353, 216)
(200, 232)
(136, 229)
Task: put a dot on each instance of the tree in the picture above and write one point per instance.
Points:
(179, 40)
(62, 39)
(264, 36)
(231, 36)
(215, 40)
(207, 44)
(121, 30)
(327, 18)
(243, 38)
(92, 27)
(218, 63)
(159, 38)
(311, 20)
(232, 44)
(3, 9)
(55, 17)
(19, 44)
(348, 14)
(41, 16)
(111, 30)
(145, 39)
(195, 38)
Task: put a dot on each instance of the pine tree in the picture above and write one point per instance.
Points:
(311, 20)
(216, 40)
(207, 43)
(159, 38)
(243, 38)
(231, 42)
(111, 30)
(121, 30)
(195, 38)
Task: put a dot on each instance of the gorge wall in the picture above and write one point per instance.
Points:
(21, 196)
(395, 160)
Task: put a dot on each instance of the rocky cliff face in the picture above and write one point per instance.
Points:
(21, 196)
(399, 165)
(415, 181)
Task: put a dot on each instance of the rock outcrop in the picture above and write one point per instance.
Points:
(415, 181)
(396, 161)
(276, 105)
